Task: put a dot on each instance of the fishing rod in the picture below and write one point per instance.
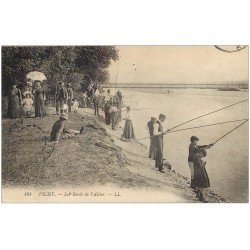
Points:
(207, 114)
(213, 124)
(139, 109)
(203, 126)
(229, 132)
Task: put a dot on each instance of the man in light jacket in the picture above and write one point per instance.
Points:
(158, 133)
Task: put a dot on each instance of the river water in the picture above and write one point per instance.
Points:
(227, 161)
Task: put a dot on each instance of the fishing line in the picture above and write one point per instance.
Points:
(230, 132)
(207, 114)
(202, 126)
(136, 109)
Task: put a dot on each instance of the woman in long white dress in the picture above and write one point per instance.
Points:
(128, 131)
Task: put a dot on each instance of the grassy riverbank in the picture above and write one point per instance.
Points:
(95, 158)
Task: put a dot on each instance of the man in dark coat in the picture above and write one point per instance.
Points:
(119, 95)
(90, 95)
(58, 127)
(150, 125)
(158, 134)
(61, 97)
(70, 96)
(113, 115)
(106, 112)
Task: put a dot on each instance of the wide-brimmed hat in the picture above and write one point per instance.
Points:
(162, 115)
(64, 116)
(68, 84)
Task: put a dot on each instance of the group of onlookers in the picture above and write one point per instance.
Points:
(31, 99)
(97, 99)
(112, 107)
(65, 101)
(25, 101)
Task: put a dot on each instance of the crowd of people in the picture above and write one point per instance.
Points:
(29, 101)
(23, 102)
(32, 97)
(112, 106)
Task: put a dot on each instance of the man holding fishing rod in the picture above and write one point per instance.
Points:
(158, 133)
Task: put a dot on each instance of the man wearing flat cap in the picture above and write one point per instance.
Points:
(158, 133)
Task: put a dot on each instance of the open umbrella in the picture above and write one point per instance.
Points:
(36, 76)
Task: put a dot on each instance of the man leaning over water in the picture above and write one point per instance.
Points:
(158, 133)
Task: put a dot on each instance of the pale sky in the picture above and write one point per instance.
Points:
(178, 64)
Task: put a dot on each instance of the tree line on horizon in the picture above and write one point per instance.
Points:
(78, 65)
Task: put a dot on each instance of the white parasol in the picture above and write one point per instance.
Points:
(36, 76)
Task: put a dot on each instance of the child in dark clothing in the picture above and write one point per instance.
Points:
(201, 179)
(193, 150)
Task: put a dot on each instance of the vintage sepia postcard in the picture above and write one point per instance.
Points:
(125, 124)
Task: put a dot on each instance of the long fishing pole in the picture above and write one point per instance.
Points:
(207, 114)
(229, 132)
(203, 126)
(208, 125)
(135, 109)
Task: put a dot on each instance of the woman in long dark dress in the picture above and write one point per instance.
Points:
(39, 102)
(15, 103)
(201, 179)
(128, 131)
